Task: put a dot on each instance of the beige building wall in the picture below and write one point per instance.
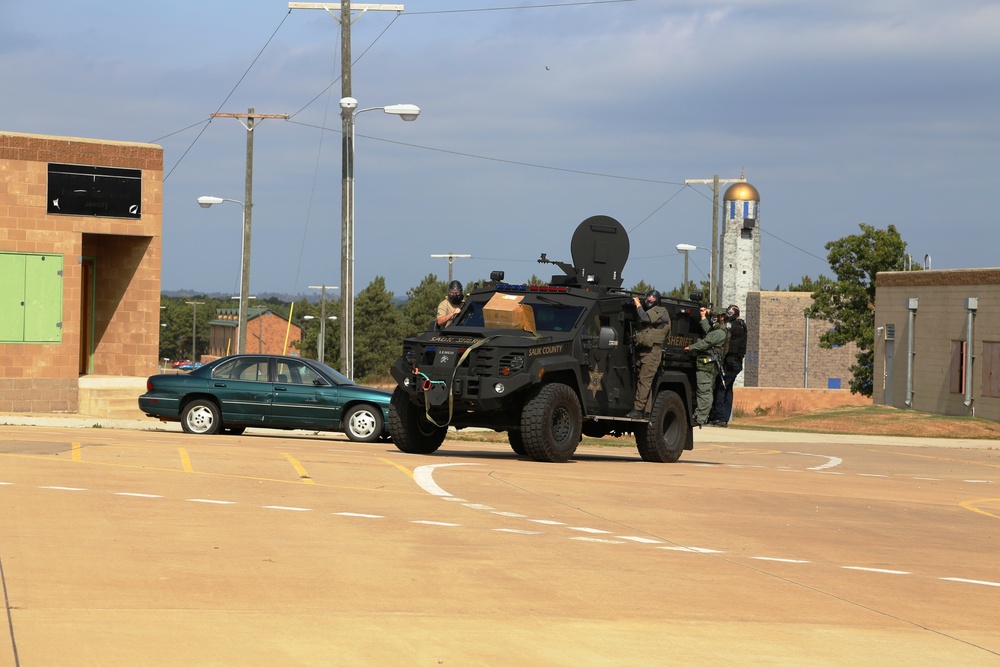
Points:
(782, 342)
(929, 376)
(111, 271)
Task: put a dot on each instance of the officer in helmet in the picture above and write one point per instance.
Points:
(732, 365)
(451, 305)
(652, 330)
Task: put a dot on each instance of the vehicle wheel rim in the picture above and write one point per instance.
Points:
(200, 420)
(562, 427)
(362, 424)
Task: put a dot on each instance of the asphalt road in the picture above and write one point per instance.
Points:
(129, 547)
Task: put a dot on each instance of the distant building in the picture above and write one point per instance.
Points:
(80, 251)
(267, 333)
(937, 341)
(783, 345)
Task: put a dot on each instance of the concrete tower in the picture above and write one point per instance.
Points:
(739, 250)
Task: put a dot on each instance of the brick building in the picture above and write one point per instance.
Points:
(267, 333)
(80, 251)
(783, 345)
(937, 341)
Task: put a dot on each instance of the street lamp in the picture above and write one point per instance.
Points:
(207, 201)
(686, 248)
(349, 110)
(321, 347)
(320, 343)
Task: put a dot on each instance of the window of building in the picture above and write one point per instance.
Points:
(31, 299)
(108, 192)
(956, 369)
(991, 369)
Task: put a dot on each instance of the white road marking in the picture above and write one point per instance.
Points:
(436, 523)
(971, 581)
(548, 522)
(519, 532)
(211, 502)
(976, 481)
(640, 540)
(868, 474)
(596, 539)
(289, 509)
(138, 495)
(590, 530)
(424, 477)
(832, 461)
(873, 569)
(477, 506)
(361, 516)
(62, 488)
(778, 560)
(928, 479)
(697, 550)
(513, 515)
(6, 483)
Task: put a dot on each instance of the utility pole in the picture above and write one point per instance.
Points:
(347, 168)
(716, 264)
(194, 327)
(249, 117)
(321, 344)
(451, 257)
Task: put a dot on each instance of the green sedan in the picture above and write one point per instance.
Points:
(267, 391)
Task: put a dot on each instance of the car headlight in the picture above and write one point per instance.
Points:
(499, 387)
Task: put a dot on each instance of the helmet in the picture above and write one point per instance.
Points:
(455, 292)
(651, 299)
(732, 313)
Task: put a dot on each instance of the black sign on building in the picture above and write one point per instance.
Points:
(108, 192)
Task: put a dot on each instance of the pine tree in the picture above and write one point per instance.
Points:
(377, 332)
(421, 305)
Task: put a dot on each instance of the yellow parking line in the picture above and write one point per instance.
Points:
(77, 455)
(299, 469)
(185, 460)
(392, 463)
(971, 505)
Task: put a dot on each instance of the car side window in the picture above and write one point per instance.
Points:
(252, 370)
(296, 372)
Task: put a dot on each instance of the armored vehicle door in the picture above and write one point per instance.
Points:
(609, 376)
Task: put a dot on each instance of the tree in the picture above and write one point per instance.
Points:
(421, 305)
(849, 301)
(807, 284)
(377, 339)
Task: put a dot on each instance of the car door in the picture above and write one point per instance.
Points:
(303, 398)
(243, 389)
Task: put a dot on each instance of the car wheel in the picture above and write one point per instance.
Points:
(668, 432)
(551, 423)
(411, 431)
(363, 423)
(201, 417)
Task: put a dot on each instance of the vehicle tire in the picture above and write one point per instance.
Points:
(668, 432)
(516, 442)
(550, 423)
(201, 417)
(409, 428)
(233, 430)
(363, 423)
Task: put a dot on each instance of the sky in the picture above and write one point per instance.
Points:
(534, 117)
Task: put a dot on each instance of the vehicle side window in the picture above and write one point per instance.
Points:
(309, 376)
(296, 372)
(253, 370)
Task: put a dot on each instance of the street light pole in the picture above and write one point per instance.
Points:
(407, 112)
(241, 327)
(321, 346)
(451, 261)
(686, 248)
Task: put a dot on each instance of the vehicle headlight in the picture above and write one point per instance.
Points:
(499, 387)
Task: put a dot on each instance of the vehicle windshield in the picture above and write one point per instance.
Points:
(337, 376)
(551, 316)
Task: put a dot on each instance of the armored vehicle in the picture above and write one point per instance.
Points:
(549, 363)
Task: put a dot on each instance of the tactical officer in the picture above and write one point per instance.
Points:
(451, 305)
(707, 363)
(732, 366)
(654, 325)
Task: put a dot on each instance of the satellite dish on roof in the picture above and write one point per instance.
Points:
(600, 250)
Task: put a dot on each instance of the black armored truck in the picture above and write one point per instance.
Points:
(549, 363)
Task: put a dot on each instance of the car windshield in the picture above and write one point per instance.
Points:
(548, 316)
(337, 376)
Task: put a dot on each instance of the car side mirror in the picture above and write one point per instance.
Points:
(608, 339)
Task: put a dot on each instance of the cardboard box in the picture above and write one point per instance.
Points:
(505, 311)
